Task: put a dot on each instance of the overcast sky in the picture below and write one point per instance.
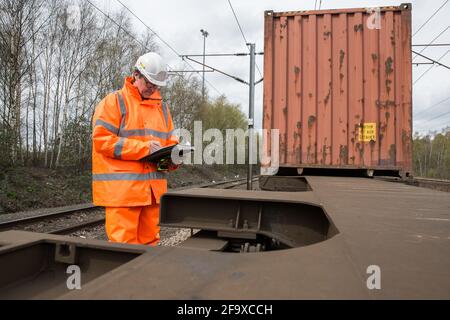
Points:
(179, 23)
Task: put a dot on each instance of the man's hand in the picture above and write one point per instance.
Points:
(154, 146)
(166, 164)
(173, 166)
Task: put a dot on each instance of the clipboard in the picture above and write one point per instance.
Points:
(166, 152)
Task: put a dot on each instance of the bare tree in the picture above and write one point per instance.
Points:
(185, 97)
(17, 27)
(53, 74)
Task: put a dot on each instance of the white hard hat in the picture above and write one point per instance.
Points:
(152, 67)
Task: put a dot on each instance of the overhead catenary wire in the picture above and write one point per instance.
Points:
(431, 107)
(151, 30)
(431, 42)
(440, 102)
(432, 60)
(445, 122)
(163, 41)
(221, 54)
(442, 126)
(117, 24)
(121, 27)
(433, 65)
(434, 127)
(432, 45)
(425, 47)
(214, 69)
(128, 33)
(438, 116)
(435, 12)
(242, 32)
(188, 56)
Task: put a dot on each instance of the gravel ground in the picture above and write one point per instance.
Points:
(31, 213)
(62, 222)
(97, 233)
(169, 236)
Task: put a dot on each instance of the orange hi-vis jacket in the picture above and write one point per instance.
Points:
(124, 125)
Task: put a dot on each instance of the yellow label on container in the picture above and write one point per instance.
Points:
(368, 132)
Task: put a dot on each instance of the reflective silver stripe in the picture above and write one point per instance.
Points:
(166, 116)
(123, 110)
(143, 132)
(108, 126)
(133, 132)
(121, 132)
(128, 176)
(118, 148)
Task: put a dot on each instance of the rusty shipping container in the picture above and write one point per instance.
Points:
(337, 84)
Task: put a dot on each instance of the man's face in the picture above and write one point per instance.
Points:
(145, 87)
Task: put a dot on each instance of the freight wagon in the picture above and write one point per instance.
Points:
(338, 86)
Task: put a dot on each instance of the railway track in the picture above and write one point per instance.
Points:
(442, 185)
(327, 234)
(63, 220)
(436, 184)
(79, 226)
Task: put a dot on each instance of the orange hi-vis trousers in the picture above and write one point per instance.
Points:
(136, 225)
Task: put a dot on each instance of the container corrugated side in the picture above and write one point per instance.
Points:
(337, 84)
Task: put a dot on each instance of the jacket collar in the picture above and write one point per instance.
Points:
(131, 90)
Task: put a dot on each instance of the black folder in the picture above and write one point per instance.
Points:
(166, 152)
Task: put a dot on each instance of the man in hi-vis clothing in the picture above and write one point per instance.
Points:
(129, 125)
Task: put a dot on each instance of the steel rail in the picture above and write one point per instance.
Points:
(96, 222)
(55, 212)
(78, 226)
(51, 213)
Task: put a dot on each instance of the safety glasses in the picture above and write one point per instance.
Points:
(149, 84)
